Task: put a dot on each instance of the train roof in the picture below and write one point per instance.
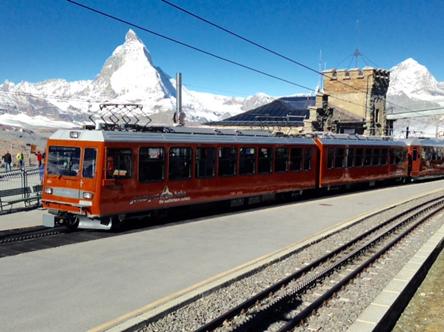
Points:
(207, 136)
(346, 139)
(425, 141)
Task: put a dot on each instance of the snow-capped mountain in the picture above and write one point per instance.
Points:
(411, 83)
(413, 87)
(128, 76)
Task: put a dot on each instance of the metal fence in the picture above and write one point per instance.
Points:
(20, 189)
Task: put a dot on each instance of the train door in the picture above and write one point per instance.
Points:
(414, 161)
(119, 186)
(88, 175)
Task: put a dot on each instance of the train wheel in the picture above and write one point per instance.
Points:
(72, 223)
(115, 223)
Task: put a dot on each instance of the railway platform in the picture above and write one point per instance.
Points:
(88, 285)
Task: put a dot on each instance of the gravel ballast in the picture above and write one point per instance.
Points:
(339, 312)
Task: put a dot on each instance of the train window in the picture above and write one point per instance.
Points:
(350, 157)
(359, 157)
(367, 156)
(339, 157)
(399, 156)
(89, 163)
(425, 153)
(180, 163)
(384, 156)
(307, 158)
(415, 155)
(151, 164)
(375, 157)
(63, 160)
(296, 159)
(205, 162)
(247, 161)
(330, 157)
(227, 161)
(118, 163)
(265, 160)
(392, 157)
(281, 160)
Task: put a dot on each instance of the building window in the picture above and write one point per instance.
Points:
(265, 160)
(151, 164)
(205, 162)
(281, 160)
(227, 161)
(247, 161)
(180, 163)
(118, 163)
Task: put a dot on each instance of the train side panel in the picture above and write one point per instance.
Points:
(347, 162)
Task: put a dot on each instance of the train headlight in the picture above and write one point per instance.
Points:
(48, 190)
(87, 195)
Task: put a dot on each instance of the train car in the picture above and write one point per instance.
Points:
(426, 158)
(97, 178)
(349, 159)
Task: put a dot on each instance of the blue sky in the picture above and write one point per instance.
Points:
(44, 39)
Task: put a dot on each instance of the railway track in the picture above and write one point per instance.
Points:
(20, 235)
(18, 241)
(285, 304)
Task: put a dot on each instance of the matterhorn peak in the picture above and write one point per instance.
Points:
(131, 36)
(129, 72)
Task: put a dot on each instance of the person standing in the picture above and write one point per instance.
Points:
(8, 160)
(20, 160)
(39, 158)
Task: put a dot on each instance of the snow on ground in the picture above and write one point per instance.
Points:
(25, 121)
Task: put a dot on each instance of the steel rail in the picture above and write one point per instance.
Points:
(29, 235)
(230, 314)
(327, 294)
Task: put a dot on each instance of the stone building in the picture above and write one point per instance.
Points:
(352, 101)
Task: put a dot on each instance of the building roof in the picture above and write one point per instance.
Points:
(285, 111)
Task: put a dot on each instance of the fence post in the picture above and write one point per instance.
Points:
(24, 183)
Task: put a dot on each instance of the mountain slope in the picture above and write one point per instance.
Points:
(128, 76)
(413, 87)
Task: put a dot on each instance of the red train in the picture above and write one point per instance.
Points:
(97, 178)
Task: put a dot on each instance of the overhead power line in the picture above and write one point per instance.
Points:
(188, 45)
(174, 40)
(296, 62)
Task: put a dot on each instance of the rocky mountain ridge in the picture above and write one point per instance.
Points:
(128, 76)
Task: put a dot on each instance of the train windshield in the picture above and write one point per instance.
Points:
(63, 160)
